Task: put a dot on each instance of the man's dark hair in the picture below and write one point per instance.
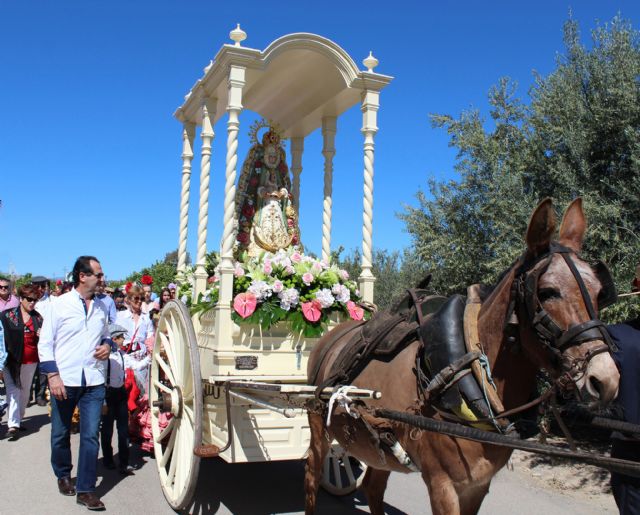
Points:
(3, 278)
(82, 265)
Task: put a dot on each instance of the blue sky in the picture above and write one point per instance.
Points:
(90, 153)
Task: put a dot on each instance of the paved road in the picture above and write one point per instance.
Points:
(29, 487)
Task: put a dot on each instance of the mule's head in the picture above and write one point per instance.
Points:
(560, 296)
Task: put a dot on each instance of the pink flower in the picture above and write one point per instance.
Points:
(312, 311)
(290, 223)
(277, 286)
(245, 304)
(289, 270)
(296, 257)
(267, 268)
(307, 278)
(344, 275)
(316, 267)
(211, 279)
(355, 311)
(239, 271)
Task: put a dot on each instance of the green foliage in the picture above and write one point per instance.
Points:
(25, 279)
(163, 273)
(394, 273)
(578, 136)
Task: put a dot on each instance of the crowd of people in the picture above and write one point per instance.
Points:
(84, 348)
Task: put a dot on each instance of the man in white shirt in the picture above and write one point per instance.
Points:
(74, 344)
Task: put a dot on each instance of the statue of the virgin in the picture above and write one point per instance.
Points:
(267, 220)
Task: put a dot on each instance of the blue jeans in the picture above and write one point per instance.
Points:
(89, 400)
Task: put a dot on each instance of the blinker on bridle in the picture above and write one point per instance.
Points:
(556, 339)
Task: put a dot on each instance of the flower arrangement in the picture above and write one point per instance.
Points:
(287, 286)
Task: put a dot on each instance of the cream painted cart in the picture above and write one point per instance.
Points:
(231, 390)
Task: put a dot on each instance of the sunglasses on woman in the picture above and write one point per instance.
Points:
(30, 299)
(137, 299)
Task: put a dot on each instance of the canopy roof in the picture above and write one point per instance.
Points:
(296, 81)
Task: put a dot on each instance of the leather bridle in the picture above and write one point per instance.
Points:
(524, 292)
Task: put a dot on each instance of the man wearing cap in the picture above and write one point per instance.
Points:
(7, 299)
(74, 346)
(626, 489)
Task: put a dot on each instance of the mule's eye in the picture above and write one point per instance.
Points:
(547, 294)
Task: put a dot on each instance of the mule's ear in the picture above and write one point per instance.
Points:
(573, 226)
(541, 227)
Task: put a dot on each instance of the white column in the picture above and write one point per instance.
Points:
(236, 83)
(370, 104)
(329, 127)
(207, 134)
(188, 135)
(297, 147)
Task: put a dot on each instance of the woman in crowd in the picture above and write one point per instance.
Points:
(21, 327)
(165, 296)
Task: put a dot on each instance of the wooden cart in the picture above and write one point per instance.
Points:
(232, 390)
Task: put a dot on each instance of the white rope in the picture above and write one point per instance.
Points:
(342, 398)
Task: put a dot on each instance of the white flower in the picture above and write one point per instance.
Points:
(260, 289)
(288, 298)
(289, 270)
(341, 292)
(325, 298)
(316, 268)
(239, 271)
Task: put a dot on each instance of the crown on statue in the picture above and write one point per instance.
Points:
(273, 136)
(270, 138)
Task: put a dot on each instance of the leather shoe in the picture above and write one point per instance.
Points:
(90, 500)
(65, 486)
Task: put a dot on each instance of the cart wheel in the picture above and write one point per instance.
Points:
(343, 474)
(175, 390)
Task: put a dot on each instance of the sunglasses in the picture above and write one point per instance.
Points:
(99, 276)
(3, 287)
(30, 299)
(137, 299)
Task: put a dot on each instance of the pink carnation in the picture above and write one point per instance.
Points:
(267, 268)
(296, 257)
(307, 278)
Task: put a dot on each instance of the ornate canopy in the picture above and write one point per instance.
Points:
(296, 81)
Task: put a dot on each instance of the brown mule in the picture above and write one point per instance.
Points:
(458, 472)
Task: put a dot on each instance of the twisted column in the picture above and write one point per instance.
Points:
(329, 127)
(234, 107)
(207, 134)
(297, 147)
(370, 104)
(188, 135)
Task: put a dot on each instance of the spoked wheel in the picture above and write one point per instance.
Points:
(175, 395)
(343, 474)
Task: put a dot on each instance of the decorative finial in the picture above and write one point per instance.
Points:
(370, 62)
(238, 35)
